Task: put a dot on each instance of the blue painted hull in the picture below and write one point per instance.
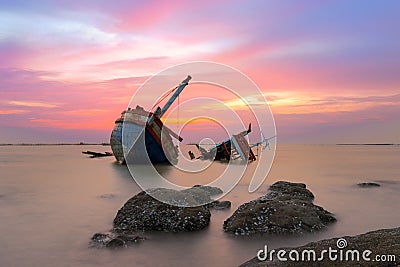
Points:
(142, 152)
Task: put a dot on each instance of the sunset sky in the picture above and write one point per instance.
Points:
(330, 70)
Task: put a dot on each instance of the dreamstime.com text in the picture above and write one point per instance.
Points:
(339, 253)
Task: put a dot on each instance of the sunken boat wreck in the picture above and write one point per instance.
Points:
(233, 148)
(139, 136)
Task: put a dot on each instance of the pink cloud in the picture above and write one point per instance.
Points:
(77, 66)
(62, 105)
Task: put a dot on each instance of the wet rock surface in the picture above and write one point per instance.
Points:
(143, 212)
(368, 185)
(213, 191)
(220, 205)
(108, 196)
(114, 240)
(188, 210)
(286, 208)
(383, 242)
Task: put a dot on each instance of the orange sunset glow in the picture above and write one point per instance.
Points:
(328, 70)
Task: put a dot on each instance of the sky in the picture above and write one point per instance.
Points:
(328, 69)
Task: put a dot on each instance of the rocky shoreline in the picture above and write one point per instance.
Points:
(286, 208)
(380, 248)
(189, 211)
(145, 213)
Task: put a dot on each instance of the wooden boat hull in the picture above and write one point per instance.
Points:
(157, 146)
(139, 136)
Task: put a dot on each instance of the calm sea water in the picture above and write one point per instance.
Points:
(53, 199)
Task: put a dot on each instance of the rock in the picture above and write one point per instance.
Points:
(115, 243)
(286, 208)
(114, 240)
(287, 190)
(109, 196)
(368, 185)
(101, 238)
(144, 213)
(381, 242)
(196, 196)
(187, 210)
(130, 238)
(220, 205)
(213, 191)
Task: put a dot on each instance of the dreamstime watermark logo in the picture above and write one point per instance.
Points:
(214, 98)
(339, 253)
(341, 243)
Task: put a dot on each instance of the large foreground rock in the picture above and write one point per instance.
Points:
(287, 208)
(381, 242)
(188, 210)
(145, 213)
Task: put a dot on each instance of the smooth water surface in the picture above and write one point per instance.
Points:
(53, 199)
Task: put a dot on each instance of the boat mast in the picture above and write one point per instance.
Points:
(175, 95)
(161, 111)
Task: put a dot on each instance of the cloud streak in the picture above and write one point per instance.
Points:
(12, 111)
(75, 65)
(32, 104)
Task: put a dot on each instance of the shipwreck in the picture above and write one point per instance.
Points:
(233, 148)
(139, 136)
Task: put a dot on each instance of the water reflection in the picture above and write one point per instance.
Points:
(50, 205)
